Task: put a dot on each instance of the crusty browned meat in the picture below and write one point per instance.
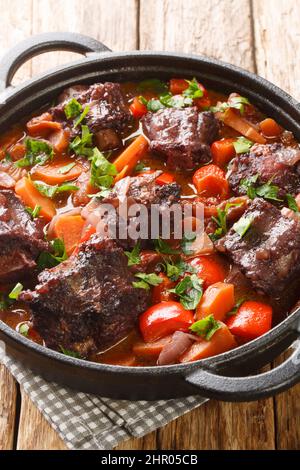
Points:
(271, 162)
(107, 110)
(182, 135)
(21, 238)
(87, 303)
(269, 252)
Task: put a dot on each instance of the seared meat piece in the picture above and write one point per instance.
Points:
(272, 162)
(269, 252)
(107, 109)
(142, 191)
(182, 135)
(87, 303)
(21, 238)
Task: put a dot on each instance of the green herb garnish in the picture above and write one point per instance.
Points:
(72, 109)
(82, 116)
(82, 145)
(134, 255)
(221, 220)
(58, 255)
(146, 280)
(236, 307)
(102, 171)
(34, 212)
(65, 169)
(242, 145)
(175, 270)
(51, 191)
(193, 91)
(292, 203)
(38, 152)
(206, 327)
(186, 243)
(68, 352)
(189, 291)
(237, 102)
(161, 246)
(24, 329)
(242, 225)
(14, 294)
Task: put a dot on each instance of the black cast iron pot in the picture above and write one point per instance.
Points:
(224, 376)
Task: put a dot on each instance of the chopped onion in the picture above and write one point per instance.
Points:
(179, 343)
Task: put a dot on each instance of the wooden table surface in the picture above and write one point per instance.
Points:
(260, 35)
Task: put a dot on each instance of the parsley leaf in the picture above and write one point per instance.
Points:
(292, 203)
(161, 246)
(189, 291)
(58, 255)
(24, 329)
(186, 243)
(82, 145)
(268, 191)
(37, 152)
(102, 171)
(221, 220)
(72, 109)
(14, 294)
(206, 327)
(237, 102)
(242, 225)
(65, 169)
(236, 307)
(248, 185)
(68, 352)
(175, 270)
(146, 280)
(166, 100)
(152, 84)
(51, 191)
(82, 116)
(134, 255)
(141, 166)
(242, 145)
(193, 91)
(34, 212)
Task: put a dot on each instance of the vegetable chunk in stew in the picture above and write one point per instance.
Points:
(148, 223)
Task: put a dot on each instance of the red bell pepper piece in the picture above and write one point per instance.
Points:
(208, 269)
(252, 320)
(165, 178)
(137, 108)
(163, 319)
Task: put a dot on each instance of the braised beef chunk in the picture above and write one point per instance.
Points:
(87, 303)
(269, 252)
(271, 162)
(21, 238)
(145, 193)
(107, 110)
(182, 135)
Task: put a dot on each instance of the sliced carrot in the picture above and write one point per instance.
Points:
(223, 151)
(252, 320)
(146, 350)
(270, 128)
(210, 181)
(69, 229)
(137, 108)
(221, 341)
(218, 299)
(55, 173)
(121, 175)
(60, 140)
(208, 269)
(165, 178)
(131, 155)
(42, 125)
(31, 197)
(17, 151)
(232, 119)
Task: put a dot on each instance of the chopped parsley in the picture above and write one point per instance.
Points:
(152, 84)
(72, 109)
(38, 152)
(206, 327)
(175, 270)
(242, 225)
(82, 145)
(146, 280)
(267, 191)
(14, 294)
(292, 203)
(161, 246)
(68, 352)
(242, 145)
(102, 171)
(141, 166)
(82, 116)
(58, 255)
(194, 90)
(221, 220)
(236, 307)
(134, 255)
(65, 169)
(189, 291)
(51, 191)
(34, 212)
(237, 102)
(186, 243)
(24, 329)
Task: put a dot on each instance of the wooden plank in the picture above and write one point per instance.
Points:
(8, 399)
(34, 431)
(277, 42)
(199, 26)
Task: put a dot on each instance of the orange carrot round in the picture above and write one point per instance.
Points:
(69, 229)
(210, 181)
(270, 128)
(57, 172)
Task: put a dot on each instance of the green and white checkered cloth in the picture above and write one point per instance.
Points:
(86, 421)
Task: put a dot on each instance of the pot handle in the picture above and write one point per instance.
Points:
(251, 388)
(45, 42)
